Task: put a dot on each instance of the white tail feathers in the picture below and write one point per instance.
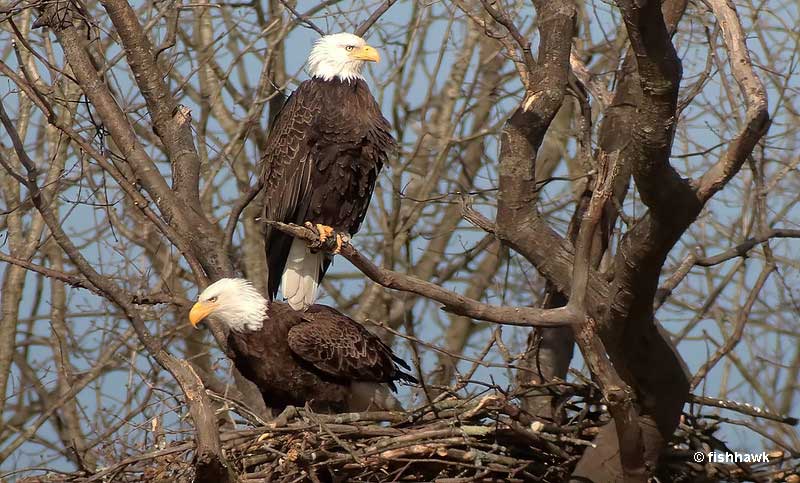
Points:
(299, 279)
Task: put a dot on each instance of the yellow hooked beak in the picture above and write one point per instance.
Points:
(200, 311)
(366, 53)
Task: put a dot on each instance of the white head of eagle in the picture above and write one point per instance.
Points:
(340, 55)
(232, 301)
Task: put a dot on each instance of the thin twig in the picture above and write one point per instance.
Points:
(362, 29)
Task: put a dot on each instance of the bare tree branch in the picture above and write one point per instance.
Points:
(362, 29)
(755, 97)
(453, 302)
(738, 327)
(174, 131)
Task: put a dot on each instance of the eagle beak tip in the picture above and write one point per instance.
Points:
(199, 312)
(369, 54)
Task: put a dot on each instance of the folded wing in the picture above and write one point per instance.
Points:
(342, 348)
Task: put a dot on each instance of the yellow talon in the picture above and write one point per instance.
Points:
(324, 232)
(339, 242)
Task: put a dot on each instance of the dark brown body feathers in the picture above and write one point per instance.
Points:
(322, 158)
(312, 356)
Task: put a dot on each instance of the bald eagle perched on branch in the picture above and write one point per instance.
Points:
(319, 356)
(323, 155)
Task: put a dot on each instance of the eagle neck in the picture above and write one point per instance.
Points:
(249, 316)
(336, 81)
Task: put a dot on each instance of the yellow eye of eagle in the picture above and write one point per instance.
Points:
(350, 47)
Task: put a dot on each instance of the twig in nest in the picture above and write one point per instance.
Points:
(743, 408)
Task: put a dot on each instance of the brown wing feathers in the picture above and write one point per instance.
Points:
(342, 348)
(285, 172)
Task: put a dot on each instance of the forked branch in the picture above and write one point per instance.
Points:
(211, 461)
(619, 395)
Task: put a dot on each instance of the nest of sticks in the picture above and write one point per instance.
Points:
(483, 438)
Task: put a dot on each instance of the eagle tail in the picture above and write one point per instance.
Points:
(301, 275)
(405, 377)
(399, 375)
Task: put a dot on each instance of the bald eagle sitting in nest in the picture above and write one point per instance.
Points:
(320, 356)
